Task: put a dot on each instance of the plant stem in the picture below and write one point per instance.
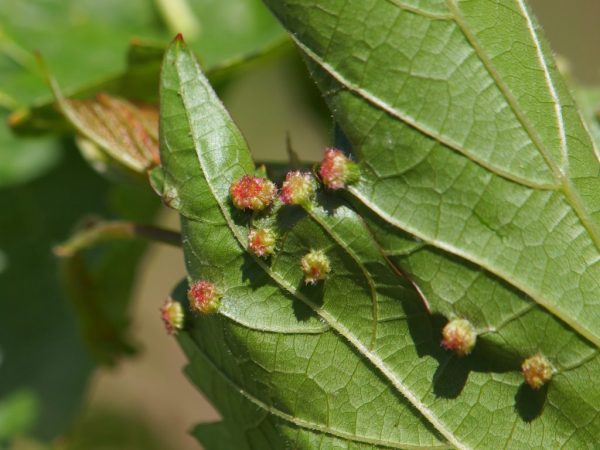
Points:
(100, 231)
(180, 18)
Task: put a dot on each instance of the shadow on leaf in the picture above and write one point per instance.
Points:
(529, 403)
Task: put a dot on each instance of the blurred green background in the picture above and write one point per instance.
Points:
(143, 402)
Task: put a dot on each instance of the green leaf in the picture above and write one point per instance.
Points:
(41, 345)
(99, 280)
(485, 208)
(480, 180)
(22, 160)
(138, 84)
(89, 40)
(84, 45)
(247, 26)
(87, 43)
(368, 318)
(589, 101)
(18, 412)
(474, 131)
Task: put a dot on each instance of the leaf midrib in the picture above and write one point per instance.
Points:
(373, 290)
(332, 321)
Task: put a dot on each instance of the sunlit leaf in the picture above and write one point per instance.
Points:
(283, 333)
(478, 182)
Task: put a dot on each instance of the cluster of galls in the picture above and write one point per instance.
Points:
(460, 336)
(257, 194)
(336, 172)
(254, 193)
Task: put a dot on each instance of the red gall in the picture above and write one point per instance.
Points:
(204, 297)
(255, 193)
(337, 170)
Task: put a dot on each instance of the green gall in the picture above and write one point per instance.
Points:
(262, 241)
(537, 371)
(172, 315)
(459, 336)
(315, 265)
(298, 188)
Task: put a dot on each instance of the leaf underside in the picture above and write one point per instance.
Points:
(478, 178)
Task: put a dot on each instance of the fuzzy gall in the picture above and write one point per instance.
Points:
(171, 314)
(337, 170)
(459, 336)
(315, 265)
(262, 241)
(204, 297)
(254, 193)
(537, 371)
(298, 188)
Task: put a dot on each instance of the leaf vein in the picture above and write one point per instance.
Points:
(301, 423)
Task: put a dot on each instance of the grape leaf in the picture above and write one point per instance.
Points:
(451, 180)
(475, 151)
(589, 101)
(366, 316)
(469, 141)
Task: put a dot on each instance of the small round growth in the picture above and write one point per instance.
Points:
(255, 193)
(459, 336)
(298, 188)
(315, 265)
(262, 241)
(171, 314)
(537, 371)
(337, 170)
(204, 297)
